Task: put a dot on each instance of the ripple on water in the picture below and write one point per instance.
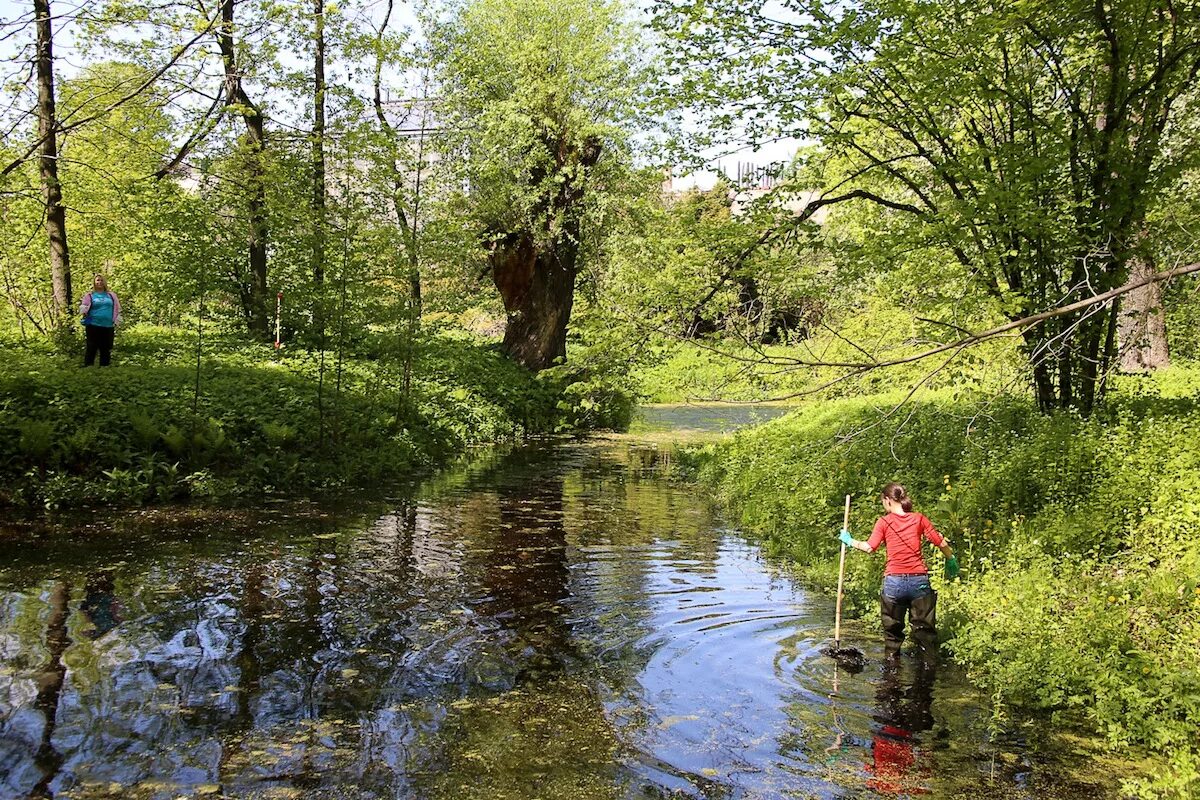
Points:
(550, 621)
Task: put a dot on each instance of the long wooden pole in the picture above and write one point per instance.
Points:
(837, 620)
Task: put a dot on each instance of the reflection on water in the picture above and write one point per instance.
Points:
(705, 417)
(899, 763)
(548, 621)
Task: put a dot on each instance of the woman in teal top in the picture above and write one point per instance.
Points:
(101, 313)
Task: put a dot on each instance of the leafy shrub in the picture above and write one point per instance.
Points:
(1078, 539)
(35, 438)
(590, 399)
(139, 431)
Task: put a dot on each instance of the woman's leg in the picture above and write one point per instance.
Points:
(91, 346)
(892, 607)
(892, 615)
(106, 343)
(923, 615)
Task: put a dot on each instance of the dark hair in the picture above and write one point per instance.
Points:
(898, 494)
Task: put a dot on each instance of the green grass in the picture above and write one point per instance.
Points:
(1081, 589)
(262, 422)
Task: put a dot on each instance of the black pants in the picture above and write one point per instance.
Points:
(99, 339)
(922, 614)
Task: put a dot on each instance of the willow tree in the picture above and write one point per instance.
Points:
(1026, 141)
(539, 98)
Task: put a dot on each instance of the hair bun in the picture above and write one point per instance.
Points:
(898, 494)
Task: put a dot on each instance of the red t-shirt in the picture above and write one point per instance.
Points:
(901, 534)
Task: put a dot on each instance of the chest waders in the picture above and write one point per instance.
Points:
(921, 612)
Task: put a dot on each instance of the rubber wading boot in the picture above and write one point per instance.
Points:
(923, 616)
(892, 614)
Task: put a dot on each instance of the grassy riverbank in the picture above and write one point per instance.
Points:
(1081, 589)
(260, 423)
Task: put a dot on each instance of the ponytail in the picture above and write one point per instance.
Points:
(898, 494)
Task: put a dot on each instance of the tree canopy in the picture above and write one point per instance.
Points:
(540, 99)
(1026, 142)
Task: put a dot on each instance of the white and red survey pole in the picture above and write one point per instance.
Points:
(278, 317)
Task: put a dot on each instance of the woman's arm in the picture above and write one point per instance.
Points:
(116, 309)
(935, 538)
(849, 541)
(952, 568)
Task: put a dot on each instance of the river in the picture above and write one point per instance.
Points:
(552, 620)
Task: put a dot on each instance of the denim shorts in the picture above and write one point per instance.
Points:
(905, 588)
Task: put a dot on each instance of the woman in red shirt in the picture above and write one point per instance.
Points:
(905, 579)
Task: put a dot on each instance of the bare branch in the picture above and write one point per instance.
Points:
(146, 84)
(207, 124)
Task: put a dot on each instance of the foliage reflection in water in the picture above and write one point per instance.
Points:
(551, 621)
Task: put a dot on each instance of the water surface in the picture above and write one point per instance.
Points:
(688, 418)
(554, 620)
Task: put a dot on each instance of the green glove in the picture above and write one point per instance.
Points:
(844, 538)
(951, 568)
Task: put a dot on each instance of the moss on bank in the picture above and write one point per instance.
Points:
(1081, 589)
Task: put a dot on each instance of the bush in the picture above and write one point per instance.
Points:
(1077, 537)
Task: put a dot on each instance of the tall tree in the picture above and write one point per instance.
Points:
(318, 143)
(406, 167)
(401, 155)
(1027, 142)
(253, 291)
(59, 117)
(540, 97)
(56, 213)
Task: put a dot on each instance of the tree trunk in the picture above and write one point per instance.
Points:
(537, 282)
(414, 230)
(1065, 357)
(1142, 328)
(254, 288)
(538, 290)
(259, 317)
(1043, 369)
(56, 214)
(1089, 362)
(318, 151)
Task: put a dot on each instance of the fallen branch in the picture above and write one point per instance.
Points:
(1035, 319)
(976, 338)
(782, 230)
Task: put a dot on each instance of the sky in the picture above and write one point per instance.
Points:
(69, 59)
(727, 162)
